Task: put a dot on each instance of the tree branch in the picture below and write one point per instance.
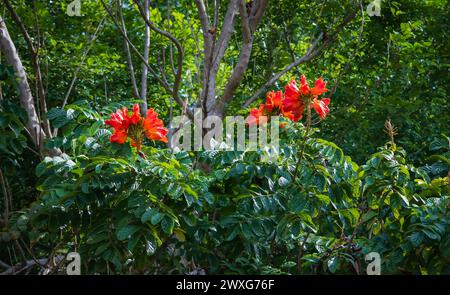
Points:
(174, 40)
(144, 73)
(208, 47)
(218, 53)
(249, 27)
(128, 53)
(180, 59)
(152, 71)
(312, 52)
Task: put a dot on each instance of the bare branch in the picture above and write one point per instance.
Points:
(245, 22)
(204, 19)
(249, 27)
(312, 52)
(16, 269)
(128, 53)
(144, 73)
(256, 13)
(180, 58)
(225, 35)
(208, 45)
(219, 49)
(21, 26)
(5, 195)
(165, 85)
(173, 40)
(77, 70)
(216, 13)
(152, 71)
(83, 58)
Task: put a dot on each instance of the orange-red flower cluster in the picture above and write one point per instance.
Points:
(136, 127)
(291, 104)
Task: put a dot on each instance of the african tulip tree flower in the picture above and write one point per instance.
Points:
(293, 105)
(294, 101)
(295, 98)
(274, 100)
(255, 113)
(293, 108)
(321, 106)
(291, 91)
(319, 87)
(136, 127)
(154, 128)
(304, 87)
(136, 116)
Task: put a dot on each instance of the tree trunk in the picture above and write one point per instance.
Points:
(25, 96)
(146, 53)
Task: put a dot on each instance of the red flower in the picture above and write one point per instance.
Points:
(274, 100)
(255, 113)
(136, 116)
(291, 90)
(319, 87)
(135, 127)
(321, 106)
(293, 105)
(304, 87)
(154, 127)
(293, 109)
(119, 136)
(119, 119)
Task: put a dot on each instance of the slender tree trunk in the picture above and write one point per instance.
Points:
(214, 100)
(146, 53)
(25, 96)
(34, 50)
(128, 52)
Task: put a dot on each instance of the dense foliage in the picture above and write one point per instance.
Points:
(366, 172)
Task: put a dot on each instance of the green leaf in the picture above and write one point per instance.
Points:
(156, 218)
(147, 215)
(167, 225)
(368, 216)
(133, 242)
(333, 264)
(416, 238)
(41, 168)
(126, 232)
(324, 199)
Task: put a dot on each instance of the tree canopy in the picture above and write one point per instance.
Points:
(363, 160)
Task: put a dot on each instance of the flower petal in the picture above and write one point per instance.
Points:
(136, 116)
(319, 87)
(321, 107)
(119, 136)
(154, 128)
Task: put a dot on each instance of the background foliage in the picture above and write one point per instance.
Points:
(357, 192)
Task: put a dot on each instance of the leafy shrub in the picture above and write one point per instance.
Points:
(126, 213)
